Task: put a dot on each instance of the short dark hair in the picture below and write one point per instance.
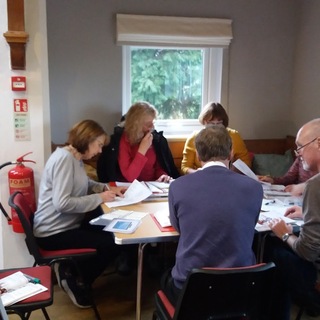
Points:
(214, 110)
(85, 132)
(213, 144)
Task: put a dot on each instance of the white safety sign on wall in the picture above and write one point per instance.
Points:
(21, 120)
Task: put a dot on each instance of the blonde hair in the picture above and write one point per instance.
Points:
(134, 120)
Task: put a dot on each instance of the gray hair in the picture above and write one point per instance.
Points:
(213, 144)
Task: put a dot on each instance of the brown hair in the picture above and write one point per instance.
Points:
(213, 144)
(85, 132)
(135, 118)
(214, 110)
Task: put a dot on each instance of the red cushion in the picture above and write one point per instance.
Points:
(50, 253)
(170, 308)
(236, 268)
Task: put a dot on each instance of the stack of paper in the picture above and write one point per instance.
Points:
(158, 189)
(272, 209)
(162, 217)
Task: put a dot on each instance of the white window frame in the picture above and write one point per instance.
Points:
(138, 31)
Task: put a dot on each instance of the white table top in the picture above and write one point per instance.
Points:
(148, 231)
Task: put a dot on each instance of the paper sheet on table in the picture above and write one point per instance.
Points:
(274, 187)
(274, 190)
(134, 194)
(163, 186)
(273, 209)
(154, 186)
(278, 205)
(275, 193)
(123, 184)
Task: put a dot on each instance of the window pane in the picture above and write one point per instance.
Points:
(170, 79)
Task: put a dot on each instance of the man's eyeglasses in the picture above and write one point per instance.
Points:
(296, 152)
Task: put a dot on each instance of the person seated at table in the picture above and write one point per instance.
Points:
(294, 179)
(297, 256)
(213, 114)
(68, 198)
(216, 230)
(136, 150)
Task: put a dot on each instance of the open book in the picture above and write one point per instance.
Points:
(158, 189)
(17, 287)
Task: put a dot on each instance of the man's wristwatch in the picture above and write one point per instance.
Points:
(286, 236)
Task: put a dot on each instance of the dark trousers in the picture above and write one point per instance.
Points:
(295, 279)
(169, 288)
(87, 236)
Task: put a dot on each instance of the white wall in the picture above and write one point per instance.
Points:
(85, 63)
(13, 252)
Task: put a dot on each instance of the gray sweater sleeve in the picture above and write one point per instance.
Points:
(64, 195)
(307, 245)
(95, 187)
(70, 186)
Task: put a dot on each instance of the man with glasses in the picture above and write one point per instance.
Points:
(297, 257)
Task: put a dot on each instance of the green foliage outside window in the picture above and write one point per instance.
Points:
(170, 79)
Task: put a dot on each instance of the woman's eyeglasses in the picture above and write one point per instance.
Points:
(215, 123)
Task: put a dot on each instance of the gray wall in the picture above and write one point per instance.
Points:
(305, 104)
(85, 63)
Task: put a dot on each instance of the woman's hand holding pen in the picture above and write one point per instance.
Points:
(107, 196)
(118, 190)
(294, 212)
(110, 195)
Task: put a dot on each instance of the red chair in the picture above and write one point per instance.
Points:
(39, 301)
(210, 293)
(18, 202)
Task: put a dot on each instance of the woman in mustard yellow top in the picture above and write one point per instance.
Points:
(213, 114)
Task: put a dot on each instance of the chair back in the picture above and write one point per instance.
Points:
(18, 202)
(235, 293)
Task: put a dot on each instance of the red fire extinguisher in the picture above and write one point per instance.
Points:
(21, 179)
